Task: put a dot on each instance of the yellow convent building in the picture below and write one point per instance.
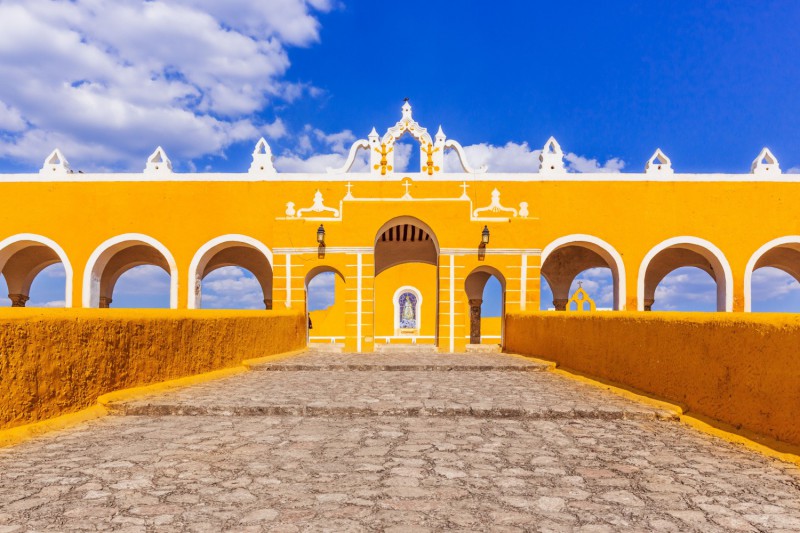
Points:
(411, 251)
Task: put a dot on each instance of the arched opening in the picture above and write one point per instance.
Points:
(407, 258)
(119, 255)
(231, 272)
(35, 271)
(325, 305)
(686, 289)
(485, 289)
(772, 277)
(598, 282)
(674, 254)
(593, 259)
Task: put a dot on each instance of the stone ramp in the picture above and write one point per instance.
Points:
(342, 472)
(401, 385)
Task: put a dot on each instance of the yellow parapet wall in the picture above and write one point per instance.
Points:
(741, 370)
(58, 361)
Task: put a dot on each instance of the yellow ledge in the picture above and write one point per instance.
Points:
(16, 435)
(752, 441)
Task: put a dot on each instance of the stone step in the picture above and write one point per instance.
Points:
(395, 367)
(403, 362)
(405, 411)
(405, 348)
(325, 347)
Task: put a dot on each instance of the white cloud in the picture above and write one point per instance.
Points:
(519, 157)
(577, 163)
(793, 170)
(771, 283)
(107, 81)
(321, 291)
(232, 288)
(143, 280)
(317, 151)
(686, 289)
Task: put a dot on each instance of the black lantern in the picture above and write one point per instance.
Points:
(485, 236)
(321, 234)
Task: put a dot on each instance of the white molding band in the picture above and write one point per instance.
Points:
(452, 303)
(206, 252)
(532, 177)
(99, 259)
(751, 265)
(7, 249)
(724, 289)
(604, 250)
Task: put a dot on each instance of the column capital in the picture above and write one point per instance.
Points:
(18, 300)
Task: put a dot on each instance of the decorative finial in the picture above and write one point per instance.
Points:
(405, 99)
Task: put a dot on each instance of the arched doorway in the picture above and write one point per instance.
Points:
(325, 305)
(566, 258)
(117, 256)
(239, 257)
(485, 289)
(772, 275)
(406, 285)
(679, 252)
(23, 258)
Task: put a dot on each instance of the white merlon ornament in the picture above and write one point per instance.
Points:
(658, 164)
(55, 163)
(765, 163)
(551, 160)
(158, 163)
(262, 159)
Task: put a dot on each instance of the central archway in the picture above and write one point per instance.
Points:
(406, 283)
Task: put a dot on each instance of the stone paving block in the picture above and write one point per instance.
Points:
(360, 450)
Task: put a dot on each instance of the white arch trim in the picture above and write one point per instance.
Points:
(751, 265)
(208, 250)
(724, 296)
(395, 303)
(7, 249)
(620, 290)
(99, 259)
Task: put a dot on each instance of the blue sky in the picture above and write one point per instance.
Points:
(107, 81)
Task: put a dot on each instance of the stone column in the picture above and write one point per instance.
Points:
(268, 304)
(648, 304)
(105, 302)
(475, 321)
(560, 304)
(18, 300)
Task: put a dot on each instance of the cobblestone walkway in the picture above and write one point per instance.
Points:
(355, 443)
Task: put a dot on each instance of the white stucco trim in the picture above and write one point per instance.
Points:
(751, 265)
(452, 303)
(8, 248)
(103, 253)
(208, 251)
(724, 290)
(606, 251)
(281, 177)
(397, 293)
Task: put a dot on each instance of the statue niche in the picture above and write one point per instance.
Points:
(408, 313)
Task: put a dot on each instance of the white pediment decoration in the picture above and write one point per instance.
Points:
(262, 159)
(659, 163)
(158, 163)
(766, 163)
(55, 163)
(381, 148)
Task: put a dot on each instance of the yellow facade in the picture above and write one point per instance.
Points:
(385, 231)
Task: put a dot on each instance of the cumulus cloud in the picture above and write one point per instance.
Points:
(793, 170)
(519, 157)
(107, 81)
(232, 288)
(773, 284)
(142, 281)
(321, 291)
(686, 289)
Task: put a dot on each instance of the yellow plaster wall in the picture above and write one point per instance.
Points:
(491, 325)
(58, 361)
(330, 322)
(418, 275)
(742, 370)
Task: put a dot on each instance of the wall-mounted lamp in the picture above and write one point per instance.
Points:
(321, 235)
(484, 242)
